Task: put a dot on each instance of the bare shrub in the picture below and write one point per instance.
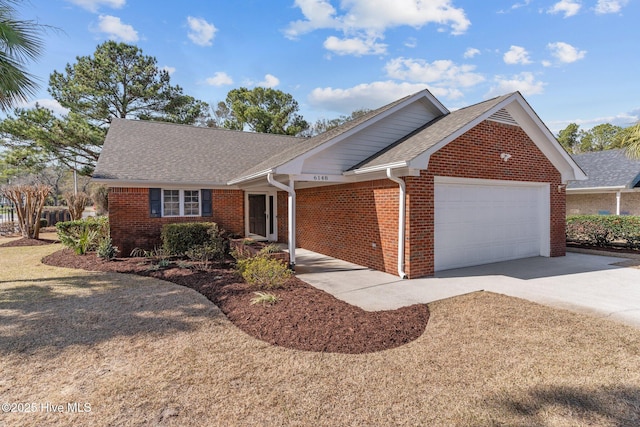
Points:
(76, 203)
(28, 201)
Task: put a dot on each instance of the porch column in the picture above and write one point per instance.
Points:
(292, 224)
(291, 215)
(618, 195)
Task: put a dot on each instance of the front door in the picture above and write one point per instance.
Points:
(258, 214)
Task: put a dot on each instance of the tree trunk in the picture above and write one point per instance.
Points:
(28, 201)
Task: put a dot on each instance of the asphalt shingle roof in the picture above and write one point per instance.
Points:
(609, 168)
(429, 135)
(137, 150)
(158, 152)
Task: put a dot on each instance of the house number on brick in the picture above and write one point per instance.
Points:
(321, 177)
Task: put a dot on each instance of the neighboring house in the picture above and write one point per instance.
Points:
(410, 188)
(612, 187)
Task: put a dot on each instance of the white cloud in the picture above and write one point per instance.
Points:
(443, 76)
(201, 32)
(565, 53)
(48, 103)
(366, 95)
(169, 70)
(377, 15)
(411, 42)
(369, 19)
(622, 119)
(515, 6)
(471, 52)
(516, 55)
(114, 27)
(94, 5)
(318, 14)
(519, 5)
(219, 79)
(269, 81)
(524, 82)
(354, 46)
(610, 6)
(568, 7)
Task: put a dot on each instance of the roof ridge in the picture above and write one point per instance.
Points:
(205, 128)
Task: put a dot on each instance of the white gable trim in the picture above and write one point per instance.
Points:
(294, 166)
(529, 121)
(544, 140)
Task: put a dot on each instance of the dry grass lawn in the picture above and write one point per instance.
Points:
(145, 352)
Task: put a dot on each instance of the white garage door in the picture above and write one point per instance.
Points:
(484, 221)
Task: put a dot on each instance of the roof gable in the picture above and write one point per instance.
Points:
(414, 150)
(433, 134)
(292, 160)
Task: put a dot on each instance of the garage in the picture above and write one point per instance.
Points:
(484, 221)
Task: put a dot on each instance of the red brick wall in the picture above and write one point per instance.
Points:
(344, 220)
(354, 222)
(131, 226)
(476, 154)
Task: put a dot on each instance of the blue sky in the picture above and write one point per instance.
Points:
(573, 60)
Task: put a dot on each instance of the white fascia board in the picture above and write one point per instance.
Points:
(377, 168)
(295, 166)
(250, 177)
(114, 183)
(546, 142)
(611, 189)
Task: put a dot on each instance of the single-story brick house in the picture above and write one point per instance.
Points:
(409, 188)
(613, 186)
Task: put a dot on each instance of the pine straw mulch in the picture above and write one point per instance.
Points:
(304, 318)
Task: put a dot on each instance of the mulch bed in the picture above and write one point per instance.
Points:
(304, 318)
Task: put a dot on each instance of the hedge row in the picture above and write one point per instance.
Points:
(179, 238)
(603, 230)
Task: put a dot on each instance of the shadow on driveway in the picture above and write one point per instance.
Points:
(538, 267)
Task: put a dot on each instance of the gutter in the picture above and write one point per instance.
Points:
(250, 177)
(402, 220)
(379, 168)
(609, 189)
(291, 215)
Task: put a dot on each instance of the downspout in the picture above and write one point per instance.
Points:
(402, 220)
(618, 195)
(291, 216)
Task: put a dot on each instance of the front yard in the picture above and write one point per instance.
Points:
(140, 351)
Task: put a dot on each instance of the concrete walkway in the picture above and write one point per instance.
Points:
(579, 282)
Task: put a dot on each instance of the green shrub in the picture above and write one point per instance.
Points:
(44, 222)
(106, 250)
(602, 230)
(204, 255)
(83, 235)
(178, 238)
(271, 248)
(264, 272)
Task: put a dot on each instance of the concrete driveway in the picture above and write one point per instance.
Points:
(579, 282)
